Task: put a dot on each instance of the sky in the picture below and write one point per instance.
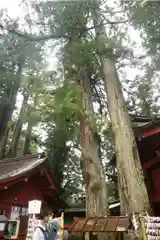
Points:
(12, 6)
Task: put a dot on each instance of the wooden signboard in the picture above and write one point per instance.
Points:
(79, 223)
(89, 224)
(99, 224)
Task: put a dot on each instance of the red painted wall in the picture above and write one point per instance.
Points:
(151, 131)
(155, 182)
(150, 163)
(22, 192)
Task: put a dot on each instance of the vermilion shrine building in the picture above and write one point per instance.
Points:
(147, 133)
(24, 179)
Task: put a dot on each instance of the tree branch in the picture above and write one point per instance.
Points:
(34, 38)
(55, 35)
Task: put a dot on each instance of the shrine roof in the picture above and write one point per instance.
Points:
(15, 167)
(142, 123)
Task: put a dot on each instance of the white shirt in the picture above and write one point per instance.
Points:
(38, 234)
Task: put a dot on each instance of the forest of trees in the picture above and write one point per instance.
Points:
(105, 65)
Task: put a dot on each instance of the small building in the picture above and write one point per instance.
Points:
(147, 133)
(23, 179)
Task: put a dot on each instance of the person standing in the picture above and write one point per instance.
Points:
(40, 232)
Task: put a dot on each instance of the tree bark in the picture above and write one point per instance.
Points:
(92, 169)
(3, 144)
(18, 128)
(133, 193)
(96, 189)
(26, 148)
(7, 111)
(94, 179)
(9, 107)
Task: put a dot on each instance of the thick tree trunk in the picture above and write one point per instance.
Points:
(133, 193)
(26, 148)
(130, 174)
(2, 117)
(7, 116)
(3, 144)
(6, 111)
(9, 108)
(18, 128)
(95, 185)
(92, 169)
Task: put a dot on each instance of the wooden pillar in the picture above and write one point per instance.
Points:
(62, 226)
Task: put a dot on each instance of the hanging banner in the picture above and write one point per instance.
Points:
(32, 223)
(34, 207)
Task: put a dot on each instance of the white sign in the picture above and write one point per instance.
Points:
(34, 207)
(2, 226)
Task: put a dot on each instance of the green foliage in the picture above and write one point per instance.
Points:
(83, 53)
(10, 124)
(63, 108)
(60, 114)
(143, 92)
(146, 18)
